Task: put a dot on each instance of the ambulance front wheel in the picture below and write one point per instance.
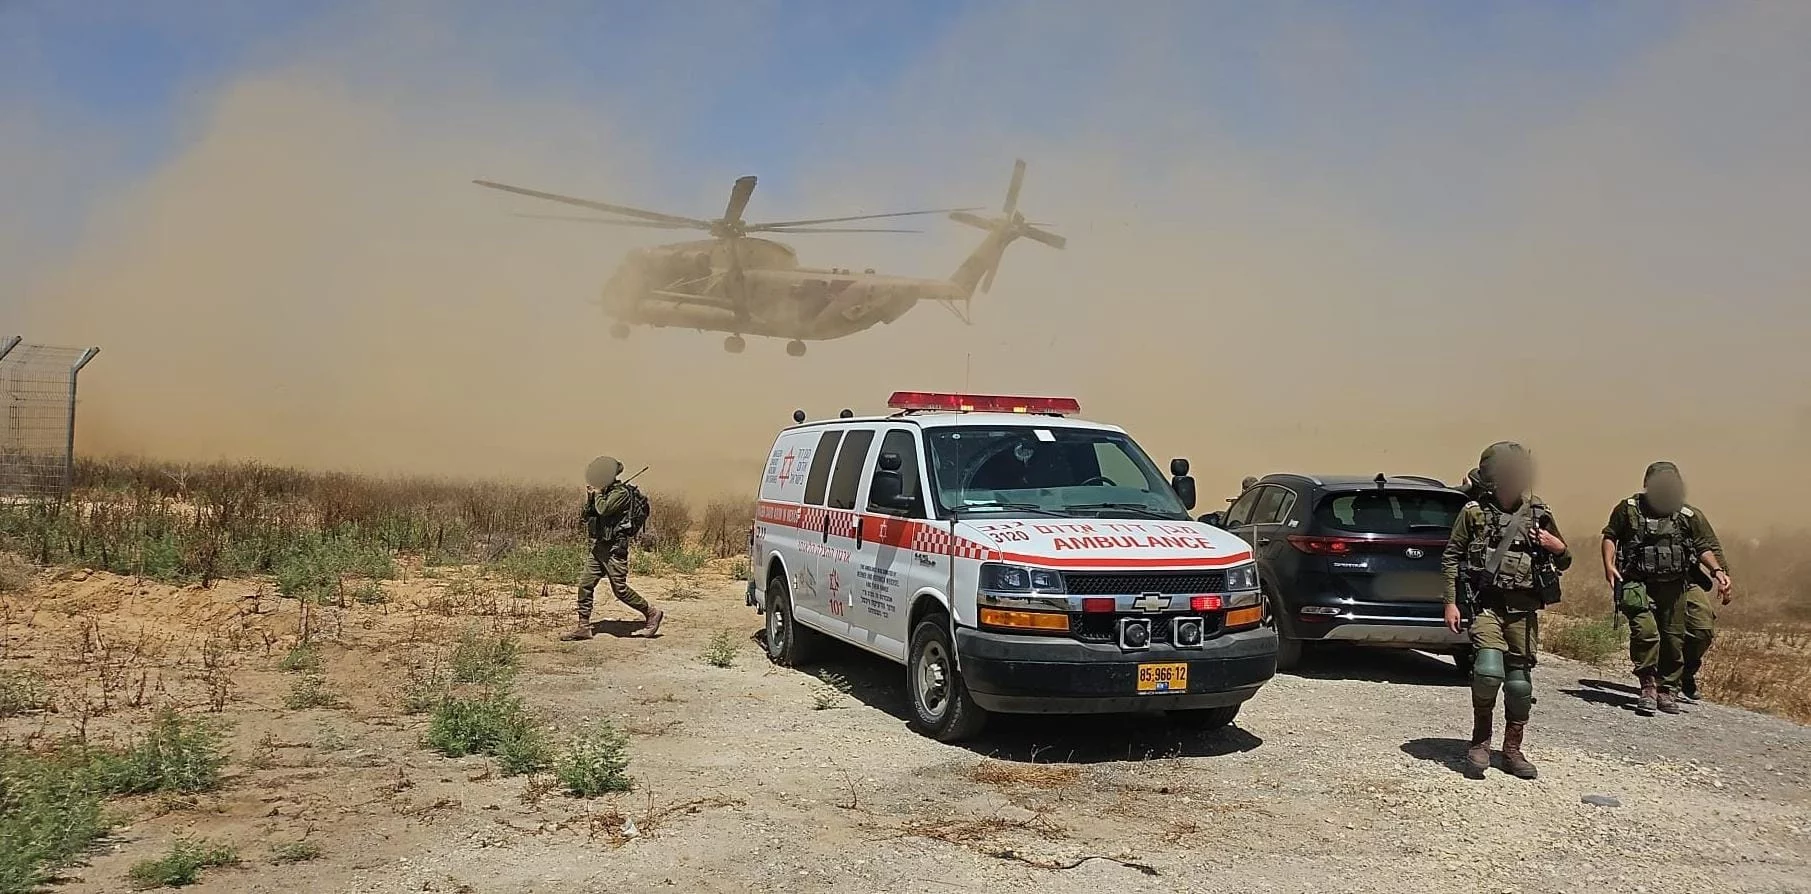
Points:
(941, 704)
(788, 643)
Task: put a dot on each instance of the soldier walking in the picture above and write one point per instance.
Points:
(607, 516)
(1506, 552)
(1652, 544)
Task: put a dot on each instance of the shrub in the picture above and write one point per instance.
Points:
(182, 865)
(553, 563)
(485, 659)
(21, 692)
(595, 761)
(725, 528)
(50, 812)
(669, 521)
(317, 566)
(295, 852)
(722, 649)
(1591, 640)
(15, 573)
(178, 754)
(493, 724)
(310, 690)
(304, 658)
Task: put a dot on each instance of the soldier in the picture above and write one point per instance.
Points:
(606, 517)
(1651, 546)
(1507, 553)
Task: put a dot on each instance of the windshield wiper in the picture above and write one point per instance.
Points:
(1019, 507)
(1429, 526)
(1139, 508)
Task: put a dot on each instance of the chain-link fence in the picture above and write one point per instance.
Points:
(37, 436)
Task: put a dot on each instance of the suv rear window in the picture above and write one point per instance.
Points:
(1389, 512)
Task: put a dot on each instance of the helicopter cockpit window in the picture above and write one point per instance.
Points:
(1086, 472)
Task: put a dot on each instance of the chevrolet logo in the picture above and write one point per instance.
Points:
(1151, 603)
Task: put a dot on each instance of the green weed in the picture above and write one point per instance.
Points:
(22, 692)
(50, 813)
(485, 659)
(493, 724)
(311, 690)
(595, 761)
(304, 658)
(722, 649)
(295, 852)
(1591, 640)
(830, 692)
(552, 563)
(178, 754)
(182, 865)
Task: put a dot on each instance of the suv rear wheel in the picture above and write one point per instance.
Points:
(788, 643)
(940, 701)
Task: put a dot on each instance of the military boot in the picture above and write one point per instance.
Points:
(581, 632)
(651, 627)
(1666, 703)
(1514, 762)
(1477, 757)
(1649, 696)
(1688, 693)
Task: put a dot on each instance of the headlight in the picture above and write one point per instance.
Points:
(1244, 577)
(1019, 579)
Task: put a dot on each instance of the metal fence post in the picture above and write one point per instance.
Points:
(8, 346)
(69, 453)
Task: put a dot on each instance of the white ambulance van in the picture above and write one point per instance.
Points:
(1013, 558)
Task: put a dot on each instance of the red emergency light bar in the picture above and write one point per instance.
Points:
(910, 401)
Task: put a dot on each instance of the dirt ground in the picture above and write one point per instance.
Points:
(1338, 778)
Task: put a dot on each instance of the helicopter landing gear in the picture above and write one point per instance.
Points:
(734, 344)
(619, 330)
(795, 348)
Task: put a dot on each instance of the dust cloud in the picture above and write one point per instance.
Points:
(1608, 269)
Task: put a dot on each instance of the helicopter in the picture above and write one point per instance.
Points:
(741, 284)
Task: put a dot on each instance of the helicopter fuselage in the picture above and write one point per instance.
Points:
(695, 285)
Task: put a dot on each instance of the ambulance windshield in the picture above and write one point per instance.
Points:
(1072, 471)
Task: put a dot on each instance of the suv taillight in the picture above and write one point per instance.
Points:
(1324, 546)
(1345, 546)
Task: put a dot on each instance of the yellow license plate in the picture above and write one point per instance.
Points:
(1154, 678)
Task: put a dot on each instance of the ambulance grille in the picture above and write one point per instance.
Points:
(1185, 583)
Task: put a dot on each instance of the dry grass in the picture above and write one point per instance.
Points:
(1761, 657)
(726, 526)
(1003, 774)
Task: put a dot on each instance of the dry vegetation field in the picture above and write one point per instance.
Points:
(259, 679)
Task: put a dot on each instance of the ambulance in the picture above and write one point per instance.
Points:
(1014, 558)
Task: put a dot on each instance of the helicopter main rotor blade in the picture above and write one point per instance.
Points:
(974, 220)
(646, 224)
(623, 210)
(738, 198)
(1012, 191)
(837, 230)
(1046, 237)
(824, 220)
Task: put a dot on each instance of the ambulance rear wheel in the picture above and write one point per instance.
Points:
(788, 643)
(795, 348)
(734, 344)
(941, 706)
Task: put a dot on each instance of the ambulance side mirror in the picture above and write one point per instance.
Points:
(1185, 489)
(1179, 467)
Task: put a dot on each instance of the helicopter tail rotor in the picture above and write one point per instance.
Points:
(981, 267)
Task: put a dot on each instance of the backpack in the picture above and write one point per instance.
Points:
(637, 515)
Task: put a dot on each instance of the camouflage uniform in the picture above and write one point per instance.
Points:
(1671, 621)
(604, 514)
(1505, 627)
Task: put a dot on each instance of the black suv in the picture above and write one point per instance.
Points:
(1350, 559)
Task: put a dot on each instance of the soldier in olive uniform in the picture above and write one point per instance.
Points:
(1651, 545)
(1506, 552)
(606, 514)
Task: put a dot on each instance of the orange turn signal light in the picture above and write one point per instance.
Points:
(1245, 617)
(995, 617)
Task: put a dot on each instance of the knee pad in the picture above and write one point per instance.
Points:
(1518, 695)
(1486, 675)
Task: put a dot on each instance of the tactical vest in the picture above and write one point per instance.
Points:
(1660, 548)
(1520, 566)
